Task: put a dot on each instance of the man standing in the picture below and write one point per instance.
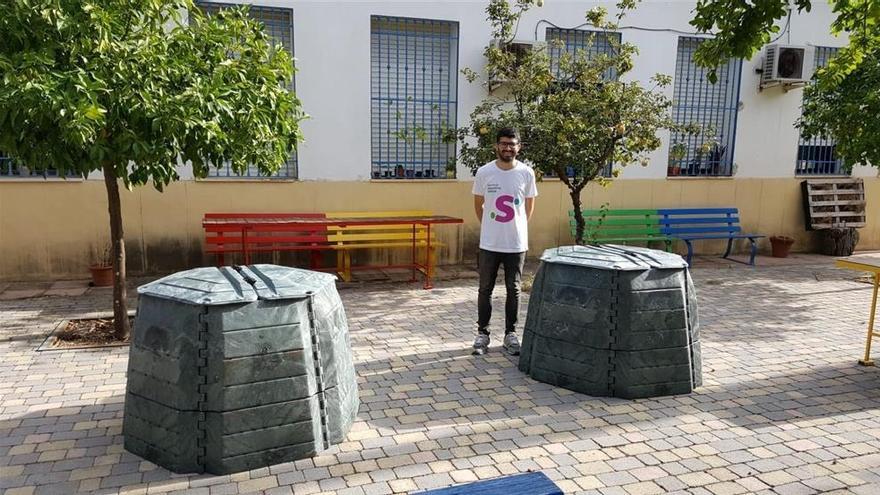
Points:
(504, 198)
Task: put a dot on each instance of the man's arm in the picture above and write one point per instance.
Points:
(530, 207)
(478, 207)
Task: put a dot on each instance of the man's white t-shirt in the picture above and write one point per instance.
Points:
(504, 228)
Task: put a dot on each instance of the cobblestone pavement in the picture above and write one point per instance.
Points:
(784, 407)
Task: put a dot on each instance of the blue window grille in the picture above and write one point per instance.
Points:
(581, 40)
(10, 169)
(818, 155)
(711, 106)
(414, 93)
(278, 24)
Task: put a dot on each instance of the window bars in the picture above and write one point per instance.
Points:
(10, 169)
(278, 24)
(711, 106)
(581, 40)
(818, 155)
(414, 96)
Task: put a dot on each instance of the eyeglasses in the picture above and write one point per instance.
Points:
(505, 144)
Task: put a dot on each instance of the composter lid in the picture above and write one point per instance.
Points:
(239, 284)
(282, 282)
(613, 257)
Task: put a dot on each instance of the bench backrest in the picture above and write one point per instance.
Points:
(618, 224)
(378, 233)
(228, 237)
(684, 221)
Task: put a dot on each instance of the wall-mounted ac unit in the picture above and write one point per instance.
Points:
(519, 49)
(788, 65)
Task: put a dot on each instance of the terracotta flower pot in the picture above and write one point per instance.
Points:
(102, 276)
(780, 245)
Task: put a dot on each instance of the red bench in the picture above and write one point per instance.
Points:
(224, 233)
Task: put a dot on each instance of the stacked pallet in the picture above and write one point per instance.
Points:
(834, 203)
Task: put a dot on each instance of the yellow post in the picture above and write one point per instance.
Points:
(867, 361)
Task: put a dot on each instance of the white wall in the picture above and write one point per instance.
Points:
(332, 48)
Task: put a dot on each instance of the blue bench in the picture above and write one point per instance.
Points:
(517, 484)
(696, 224)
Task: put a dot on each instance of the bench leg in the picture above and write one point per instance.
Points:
(690, 251)
(346, 273)
(754, 251)
(432, 261)
(343, 265)
(729, 245)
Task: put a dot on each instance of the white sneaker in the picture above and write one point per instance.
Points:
(481, 344)
(511, 344)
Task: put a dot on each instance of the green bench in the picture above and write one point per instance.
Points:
(621, 227)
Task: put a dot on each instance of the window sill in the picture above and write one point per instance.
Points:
(412, 180)
(556, 179)
(822, 176)
(700, 177)
(251, 180)
(40, 180)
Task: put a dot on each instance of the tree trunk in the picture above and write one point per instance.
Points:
(120, 309)
(838, 242)
(578, 216)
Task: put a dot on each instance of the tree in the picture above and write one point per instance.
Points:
(741, 28)
(129, 88)
(574, 120)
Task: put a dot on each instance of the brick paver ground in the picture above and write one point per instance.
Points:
(784, 407)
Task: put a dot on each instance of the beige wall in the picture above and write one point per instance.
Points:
(50, 229)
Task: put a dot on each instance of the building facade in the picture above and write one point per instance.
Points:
(382, 82)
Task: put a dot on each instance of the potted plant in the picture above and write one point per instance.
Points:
(450, 169)
(780, 245)
(102, 267)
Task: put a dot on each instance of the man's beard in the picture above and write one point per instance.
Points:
(505, 159)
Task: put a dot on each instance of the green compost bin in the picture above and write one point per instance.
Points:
(615, 321)
(235, 368)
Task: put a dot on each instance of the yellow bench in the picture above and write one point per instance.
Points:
(348, 238)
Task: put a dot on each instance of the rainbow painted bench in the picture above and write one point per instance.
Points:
(666, 225)
(243, 234)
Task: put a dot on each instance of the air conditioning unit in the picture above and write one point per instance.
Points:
(788, 65)
(519, 49)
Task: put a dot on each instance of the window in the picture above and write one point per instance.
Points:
(711, 106)
(580, 40)
(9, 168)
(414, 92)
(278, 24)
(818, 156)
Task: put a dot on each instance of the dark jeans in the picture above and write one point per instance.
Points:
(488, 263)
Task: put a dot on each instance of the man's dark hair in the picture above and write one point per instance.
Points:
(508, 132)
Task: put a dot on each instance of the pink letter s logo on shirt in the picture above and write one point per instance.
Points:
(506, 213)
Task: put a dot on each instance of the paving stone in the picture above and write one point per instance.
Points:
(782, 408)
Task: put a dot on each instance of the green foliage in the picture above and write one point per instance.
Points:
(831, 112)
(742, 28)
(127, 84)
(572, 124)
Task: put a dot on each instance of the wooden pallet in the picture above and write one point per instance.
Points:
(834, 203)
